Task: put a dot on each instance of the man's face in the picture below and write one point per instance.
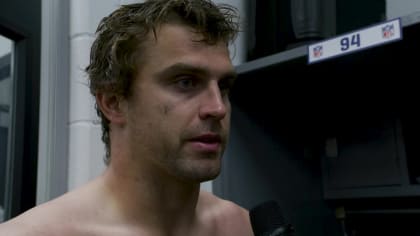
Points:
(179, 111)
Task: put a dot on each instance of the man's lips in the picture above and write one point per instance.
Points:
(207, 138)
(206, 142)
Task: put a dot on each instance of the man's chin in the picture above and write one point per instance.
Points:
(203, 176)
(208, 178)
(200, 169)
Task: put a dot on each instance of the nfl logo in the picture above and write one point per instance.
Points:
(387, 31)
(317, 51)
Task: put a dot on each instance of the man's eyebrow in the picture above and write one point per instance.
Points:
(188, 68)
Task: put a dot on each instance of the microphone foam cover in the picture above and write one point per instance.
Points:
(266, 217)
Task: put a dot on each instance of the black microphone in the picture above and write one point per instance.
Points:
(267, 220)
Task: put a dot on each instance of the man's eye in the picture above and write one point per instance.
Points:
(186, 83)
(225, 86)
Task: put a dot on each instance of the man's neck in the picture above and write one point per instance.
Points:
(158, 202)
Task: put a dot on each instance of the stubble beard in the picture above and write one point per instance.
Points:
(194, 169)
(192, 166)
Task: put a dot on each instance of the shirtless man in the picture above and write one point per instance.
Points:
(161, 74)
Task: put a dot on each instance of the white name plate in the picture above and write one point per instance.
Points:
(355, 41)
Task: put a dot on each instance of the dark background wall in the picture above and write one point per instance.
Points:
(20, 20)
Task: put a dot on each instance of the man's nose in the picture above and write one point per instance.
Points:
(214, 104)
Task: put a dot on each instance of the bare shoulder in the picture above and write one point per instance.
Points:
(12, 228)
(41, 220)
(61, 216)
(228, 217)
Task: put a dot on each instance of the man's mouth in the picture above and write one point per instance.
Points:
(207, 142)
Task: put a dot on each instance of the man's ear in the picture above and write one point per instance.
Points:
(112, 107)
